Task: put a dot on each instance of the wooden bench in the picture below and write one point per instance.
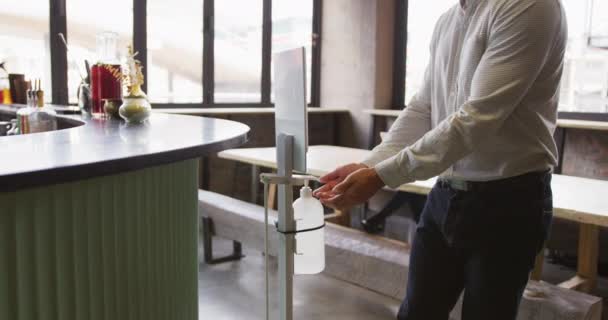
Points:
(350, 254)
(355, 257)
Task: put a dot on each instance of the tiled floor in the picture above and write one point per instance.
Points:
(235, 290)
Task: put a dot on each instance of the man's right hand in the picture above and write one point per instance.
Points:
(333, 178)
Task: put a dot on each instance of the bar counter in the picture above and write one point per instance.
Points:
(98, 220)
(86, 147)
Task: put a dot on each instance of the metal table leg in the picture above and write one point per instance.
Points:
(255, 181)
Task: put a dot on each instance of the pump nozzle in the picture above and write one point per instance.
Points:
(305, 191)
(296, 179)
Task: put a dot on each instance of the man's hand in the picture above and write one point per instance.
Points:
(356, 188)
(335, 177)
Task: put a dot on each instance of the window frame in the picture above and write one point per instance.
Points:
(400, 54)
(59, 55)
(58, 24)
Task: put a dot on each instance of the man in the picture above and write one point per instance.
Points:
(483, 121)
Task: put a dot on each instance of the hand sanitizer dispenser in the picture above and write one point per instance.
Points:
(309, 257)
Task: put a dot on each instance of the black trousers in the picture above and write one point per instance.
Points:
(484, 241)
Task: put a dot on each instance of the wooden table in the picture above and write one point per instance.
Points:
(583, 124)
(576, 199)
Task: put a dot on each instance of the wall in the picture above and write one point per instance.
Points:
(586, 154)
(357, 61)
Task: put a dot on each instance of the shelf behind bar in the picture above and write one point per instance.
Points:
(218, 111)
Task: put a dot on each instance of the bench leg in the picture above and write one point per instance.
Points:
(588, 250)
(339, 217)
(375, 223)
(537, 272)
(237, 250)
(272, 196)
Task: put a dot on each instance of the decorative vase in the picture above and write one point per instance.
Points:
(135, 109)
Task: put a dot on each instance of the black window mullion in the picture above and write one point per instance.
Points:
(140, 37)
(315, 81)
(266, 51)
(59, 57)
(400, 54)
(208, 52)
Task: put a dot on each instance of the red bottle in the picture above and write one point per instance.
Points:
(105, 74)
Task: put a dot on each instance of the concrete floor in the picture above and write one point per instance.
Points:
(235, 290)
(555, 274)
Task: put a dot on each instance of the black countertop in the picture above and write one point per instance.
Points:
(97, 147)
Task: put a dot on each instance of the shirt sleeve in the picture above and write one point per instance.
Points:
(413, 122)
(521, 37)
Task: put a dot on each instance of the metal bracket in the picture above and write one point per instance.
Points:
(294, 180)
(375, 223)
(207, 230)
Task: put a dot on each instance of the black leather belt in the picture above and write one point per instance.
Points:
(464, 185)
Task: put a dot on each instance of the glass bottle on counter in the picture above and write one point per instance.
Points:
(36, 117)
(105, 74)
(23, 114)
(5, 87)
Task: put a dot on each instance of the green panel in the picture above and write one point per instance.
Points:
(116, 247)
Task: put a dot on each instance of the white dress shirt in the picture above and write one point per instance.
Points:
(488, 106)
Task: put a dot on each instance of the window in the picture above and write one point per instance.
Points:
(24, 44)
(421, 22)
(291, 28)
(178, 41)
(87, 19)
(238, 50)
(585, 80)
(599, 24)
(175, 51)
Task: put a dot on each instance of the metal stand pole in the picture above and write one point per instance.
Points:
(286, 222)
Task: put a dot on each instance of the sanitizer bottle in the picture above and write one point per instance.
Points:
(309, 257)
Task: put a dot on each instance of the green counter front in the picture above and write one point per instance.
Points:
(115, 247)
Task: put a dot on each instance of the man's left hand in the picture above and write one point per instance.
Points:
(357, 188)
